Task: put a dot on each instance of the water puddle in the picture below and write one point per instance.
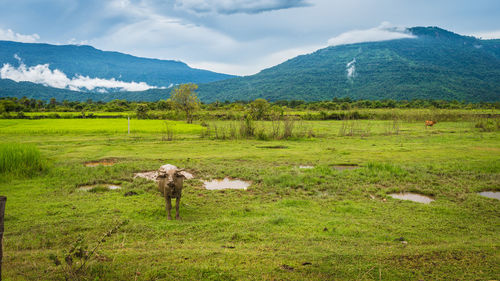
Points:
(152, 175)
(226, 183)
(342, 167)
(306, 167)
(103, 162)
(412, 197)
(97, 186)
(491, 194)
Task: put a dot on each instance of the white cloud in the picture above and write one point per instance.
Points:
(382, 32)
(492, 34)
(257, 65)
(42, 74)
(237, 6)
(73, 41)
(10, 35)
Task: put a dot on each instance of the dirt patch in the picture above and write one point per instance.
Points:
(306, 167)
(103, 162)
(96, 186)
(491, 194)
(152, 175)
(342, 167)
(273, 146)
(226, 183)
(415, 197)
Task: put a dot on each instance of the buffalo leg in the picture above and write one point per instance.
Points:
(168, 206)
(177, 202)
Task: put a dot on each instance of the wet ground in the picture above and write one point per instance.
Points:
(226, 183)
(342, 167)
(412, 197)
(491, 194)
(152, 175)
(91, 187)
(103, 162)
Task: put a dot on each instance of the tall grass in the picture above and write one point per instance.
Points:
(286, 128)
(20, 160)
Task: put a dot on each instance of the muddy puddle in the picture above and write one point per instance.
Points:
(226, 183)
(273, 146)
(104, 162)
(152, 175)
(412, 197)
(91, 187)
(343, 167)
(491, 194)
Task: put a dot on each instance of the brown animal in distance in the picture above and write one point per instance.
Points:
(170, 184)
(429, 123)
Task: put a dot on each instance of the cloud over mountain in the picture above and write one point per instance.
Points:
(382, 32)
(42, 74)
(10, 35)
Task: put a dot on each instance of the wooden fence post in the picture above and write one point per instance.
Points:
(3, 199)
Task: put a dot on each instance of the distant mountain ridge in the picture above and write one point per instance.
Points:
(83, 60)
(438, 64)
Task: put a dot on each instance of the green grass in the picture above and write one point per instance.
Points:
(93, 126)
(20, 160)
(341, 222)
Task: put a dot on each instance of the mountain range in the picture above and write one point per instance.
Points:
(435, 64)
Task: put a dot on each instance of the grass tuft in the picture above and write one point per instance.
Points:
(21, 160)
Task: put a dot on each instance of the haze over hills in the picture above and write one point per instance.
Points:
(436, 64)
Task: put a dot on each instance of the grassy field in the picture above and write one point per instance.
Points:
(291, 224)
(406, 114)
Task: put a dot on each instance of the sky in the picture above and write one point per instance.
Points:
(239, 37)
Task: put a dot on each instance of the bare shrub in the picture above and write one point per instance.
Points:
(288, 126)
(80, 255)
(168, 132)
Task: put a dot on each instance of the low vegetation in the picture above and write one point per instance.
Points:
(332, 220)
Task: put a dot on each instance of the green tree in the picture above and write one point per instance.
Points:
(259, 108)
(185, 99)
(141, 111)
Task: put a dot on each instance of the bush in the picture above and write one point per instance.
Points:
(488, 125)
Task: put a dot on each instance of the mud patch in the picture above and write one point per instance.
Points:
(99, 186)
(491, 194)
(226, 183)
(343, 167)
(273, 146)
(412, 197)
(103, 162)
(152, 175)
(306, 167)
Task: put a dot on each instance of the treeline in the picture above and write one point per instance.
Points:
(24, 104)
